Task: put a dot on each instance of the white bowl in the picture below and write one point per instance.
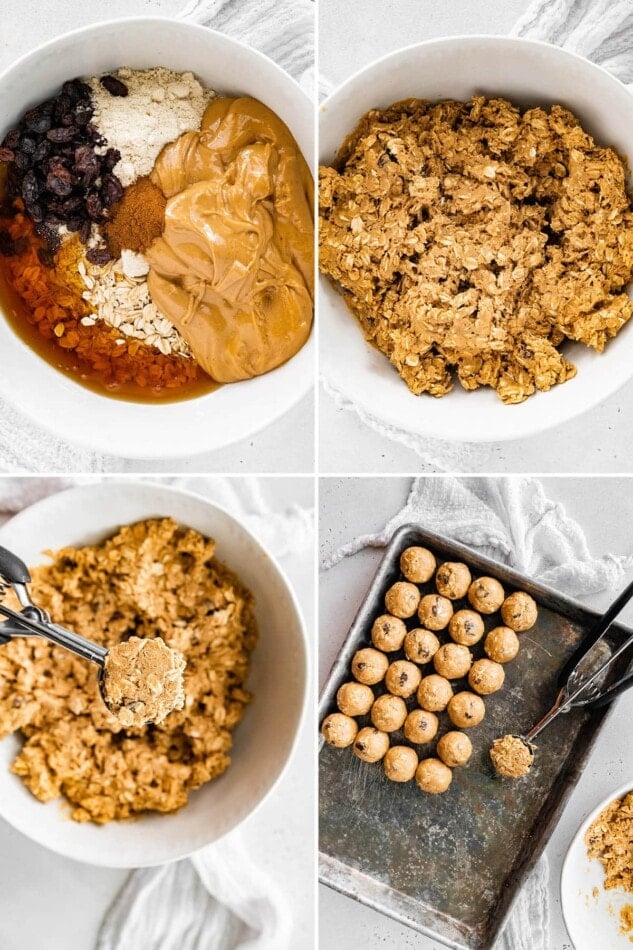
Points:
(592, 921)
(263, 740)
(527, 73)
(142, 430)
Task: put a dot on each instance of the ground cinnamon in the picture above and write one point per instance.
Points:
(137, 219)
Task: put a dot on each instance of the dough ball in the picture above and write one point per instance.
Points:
(486, 677)
(400, 763)
(466, 627)
(466, 710)
(433, 776)
(501, 644)
(452, 580)
(420, 645)
(434, 693)
(486, 595)
(402, 599)
(452, 661)
(435, 612)
(388, 633)
(402, 678)
(417, 565)
(519, 611)
(454, 749)
(369, 666)
(420, 726)
(339, 730)
(388, 713)
(371, 744)
(511, 757)
(354, 699)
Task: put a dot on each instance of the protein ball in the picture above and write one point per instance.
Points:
(400, 763)
(454, 749)
(452, 661)
(519, 611)
(420, 645)
(452, 580)
(433, 777)
(369, 666)
(339, 730)
(371, 744)
(354, 699)
(511, 757)
(417, 565)
(388, 713)
(466, 710)
(486, 677)
(434, 693)
(434, 612)
(501, 644)
(402, 678)
(388, 633)
(420, 726)
(402, 599)
(466, 627)
(486, 595)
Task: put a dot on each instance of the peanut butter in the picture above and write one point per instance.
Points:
(233, 269)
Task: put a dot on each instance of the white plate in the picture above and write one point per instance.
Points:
(263, 740)
(592, 921)
(142, 430)
(527, 73)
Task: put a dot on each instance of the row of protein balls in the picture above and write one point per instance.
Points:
(452, 660)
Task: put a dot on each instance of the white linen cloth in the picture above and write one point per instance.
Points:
(599, 30)
(218, 899)
(513, 521)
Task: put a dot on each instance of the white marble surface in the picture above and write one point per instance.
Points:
(352, 35)
(49, 901)
(348, 507)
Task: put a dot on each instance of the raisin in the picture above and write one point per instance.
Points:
(94, 207)
(46, 256)
(111, 157)
(84, 232)
(30, 187)
(22, 160)
(41, 151)
(61, 134)
(6, 244)
(114, 86)
(59, 182)
(7, 154)
(28, 144)
(112, 189)
(98, 256)
(71, 205)
(39, 122)
(11, 139)
(36, 212)
(74, 224)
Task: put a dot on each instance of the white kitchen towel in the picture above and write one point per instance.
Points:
(218, 899)
(513, 521)
(599, 30)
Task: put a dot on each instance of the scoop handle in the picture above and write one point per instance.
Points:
(12, 569)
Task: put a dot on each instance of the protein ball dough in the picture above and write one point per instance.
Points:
(501, 644)
(434, 693)
(354, 699)
(388, 633)
(519, 611)
(369, 666)
(466, 627)
(466, 710)
(420, 645)
(486, 677)
(452, 580)
(339, 730)
(400, 763)
(402, 599)
(454, 749)
(417, 565)
(402, 678)
(434, 612)
(420, 726)
(511, 757)
(388, 713)
(452, 661)
(371, 744)
(433, 777)
(486, 595)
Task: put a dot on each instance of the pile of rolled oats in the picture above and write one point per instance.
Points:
(472, 238)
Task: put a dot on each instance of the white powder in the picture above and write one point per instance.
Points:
(160, 106)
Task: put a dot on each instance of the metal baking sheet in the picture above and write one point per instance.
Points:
(451, 865)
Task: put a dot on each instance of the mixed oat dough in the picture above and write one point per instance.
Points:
(151, 579)
(610, 840)
(471, 239)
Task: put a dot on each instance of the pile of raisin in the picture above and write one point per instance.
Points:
(55, 168)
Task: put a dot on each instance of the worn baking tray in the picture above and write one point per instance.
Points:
(451, 865)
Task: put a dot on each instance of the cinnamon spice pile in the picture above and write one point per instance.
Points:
(137, 219)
